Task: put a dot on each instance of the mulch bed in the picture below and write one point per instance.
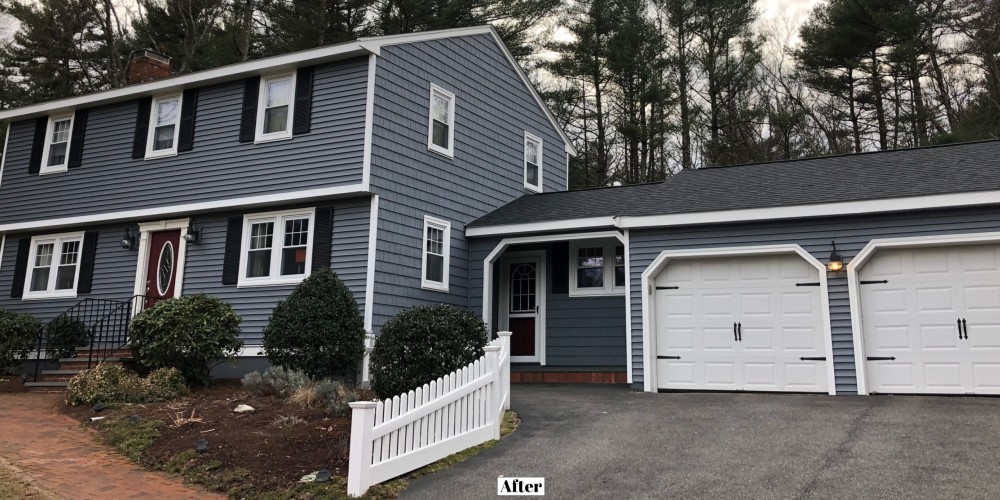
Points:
(275, 451)
(11, 383)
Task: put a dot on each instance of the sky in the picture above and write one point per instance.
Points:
(791, 8)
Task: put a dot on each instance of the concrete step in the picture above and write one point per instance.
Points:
(57, 375)
(46, 386)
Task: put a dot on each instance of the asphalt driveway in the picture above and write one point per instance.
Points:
(608, 442)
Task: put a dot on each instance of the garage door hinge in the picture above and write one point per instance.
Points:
(807, 284)
(881, 358)
(668, 357)
(815, 358)
(874, 282)
(667, 287)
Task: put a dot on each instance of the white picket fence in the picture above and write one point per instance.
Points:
(455, 412)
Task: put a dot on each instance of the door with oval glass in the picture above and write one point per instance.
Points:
(522, 306)
(161, 273)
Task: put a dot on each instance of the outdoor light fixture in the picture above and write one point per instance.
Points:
(836, 262)
(128, 241)
(322, 476)
(201, 445)
(193, 233)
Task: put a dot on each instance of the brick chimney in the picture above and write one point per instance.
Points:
(147, 66)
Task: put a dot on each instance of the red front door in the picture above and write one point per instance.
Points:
(161, 272)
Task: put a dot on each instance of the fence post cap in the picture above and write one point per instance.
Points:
(491, 348)
(504, 334)
(363, 405)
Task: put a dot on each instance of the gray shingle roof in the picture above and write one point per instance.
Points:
(905, 173)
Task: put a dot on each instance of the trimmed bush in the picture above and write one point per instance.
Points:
(421, 344)
(275, 381)
(317, 329)
(298, 389)
(65, 334)
(18, 336)
(190, 333)
(113, 383)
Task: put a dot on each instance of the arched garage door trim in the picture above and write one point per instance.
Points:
(665, 257)
(854, 290)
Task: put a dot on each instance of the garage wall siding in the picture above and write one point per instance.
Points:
(814, 235)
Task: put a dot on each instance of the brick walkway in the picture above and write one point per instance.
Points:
(64, 458)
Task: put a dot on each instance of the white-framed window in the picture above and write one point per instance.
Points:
(53, 266)
(532, 163)
(436, 260)
(164, 126)
(277, 248)
(275, 107)
(441, 122)
(596, 268)
(55, 155)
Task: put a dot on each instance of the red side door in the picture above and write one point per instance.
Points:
(161, 273)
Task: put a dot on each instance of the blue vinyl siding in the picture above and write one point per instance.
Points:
(114, 268)
(493, 109)
(219, 167)
(814, 235)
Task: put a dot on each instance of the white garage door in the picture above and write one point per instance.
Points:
(749, 323)
(931, 320)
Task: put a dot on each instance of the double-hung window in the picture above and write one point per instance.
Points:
(164, 126)
(436, 254)
(55, 154)
(275, 107)
(532, 163)
(276, 248)
(441, 122)
(597, 268)
(53, 266)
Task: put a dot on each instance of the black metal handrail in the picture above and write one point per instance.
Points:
(105, 322)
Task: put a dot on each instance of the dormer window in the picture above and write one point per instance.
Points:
(441, 122)
(164, 126)
(275, 107)
(56, 153)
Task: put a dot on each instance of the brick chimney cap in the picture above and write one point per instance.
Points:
(152, 54)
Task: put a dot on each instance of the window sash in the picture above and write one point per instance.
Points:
(275, 107)
(436, 251)
(532, 162)
(57, 140)
(441, 121)
(55, 266)
(276, 248)
(164, 120)
(597, 268)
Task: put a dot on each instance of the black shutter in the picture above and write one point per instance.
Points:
(76, 142)
(141, 128)
(303, 101)
(38, 145)
(231, 259)
(20, 267)
(185, 140)
(560, 267)
(87, 262)
(322, 236)
(248, 120)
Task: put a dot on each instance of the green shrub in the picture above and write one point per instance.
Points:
(113, 383)
(18, 336)
(317, 329)
(65, 334)
(275, 381)
(421, 344)
(189, 333)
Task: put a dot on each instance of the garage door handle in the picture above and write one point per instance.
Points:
(966, 328)
(959, 323)
(736, 336)
(739, 330)
(881, 358)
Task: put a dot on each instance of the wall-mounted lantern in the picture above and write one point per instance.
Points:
(836, 263)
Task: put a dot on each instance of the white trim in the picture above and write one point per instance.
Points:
(608, 256)
(854, 284)
(142, 259)
(445, 227)
(57, 241)
(259, 135)
(543, 226)
(567, 171)
(450, 150)
(507, 242)
(366, 162)
(541, 290)
(370, 272)
(248, 201)
(628, 308)
(540, 150)
(277, 245)
(3, 156)
(44, 167)
(661, 261)
(151, 132)
(3, 244)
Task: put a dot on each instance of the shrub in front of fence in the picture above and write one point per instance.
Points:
(421, 344)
